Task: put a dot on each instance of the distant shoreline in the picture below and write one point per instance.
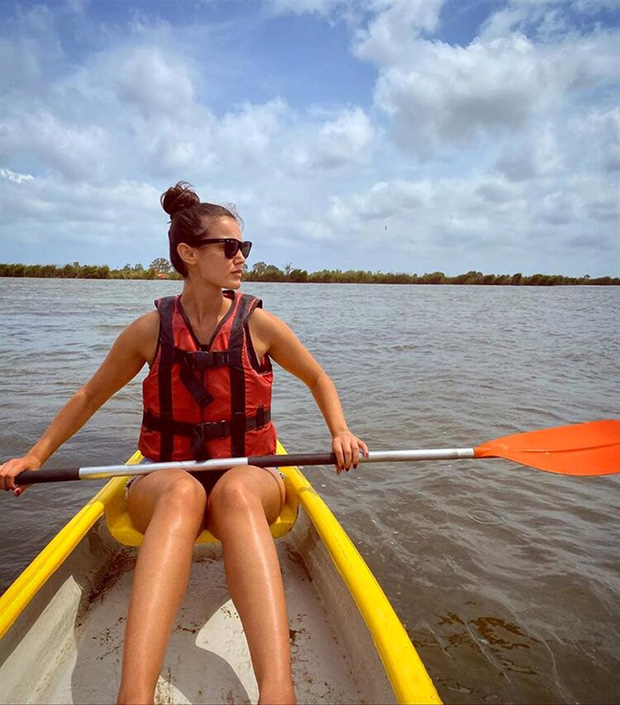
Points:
(270, 273)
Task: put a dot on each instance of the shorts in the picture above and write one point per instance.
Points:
(207, 478)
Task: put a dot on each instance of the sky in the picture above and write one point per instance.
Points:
(382, 135)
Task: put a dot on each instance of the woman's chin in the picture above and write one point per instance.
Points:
(234, 283)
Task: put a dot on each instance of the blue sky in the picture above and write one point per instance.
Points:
(392, 135)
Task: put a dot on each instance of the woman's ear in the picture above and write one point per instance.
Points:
(186, 253)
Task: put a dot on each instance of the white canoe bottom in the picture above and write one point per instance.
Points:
(67, 645)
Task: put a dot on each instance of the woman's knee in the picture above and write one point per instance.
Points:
(246, 491)
(234, 493)
(185, 492)
(180, 497)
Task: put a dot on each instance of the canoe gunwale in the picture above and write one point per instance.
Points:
(27, 585)
(405, 670)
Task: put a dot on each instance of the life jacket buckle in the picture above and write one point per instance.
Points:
(212, 429)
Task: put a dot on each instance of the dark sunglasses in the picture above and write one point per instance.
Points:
(231, 246)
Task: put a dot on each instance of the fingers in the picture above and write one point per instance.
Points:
(347, 448)
(10, 470)
(363, 448)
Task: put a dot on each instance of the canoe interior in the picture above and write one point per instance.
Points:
(66, 646)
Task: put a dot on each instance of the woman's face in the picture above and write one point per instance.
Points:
(211, 260)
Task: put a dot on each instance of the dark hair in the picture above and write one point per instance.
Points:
(187, 216)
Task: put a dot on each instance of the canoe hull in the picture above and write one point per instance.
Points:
(64, 617)
(66, 646)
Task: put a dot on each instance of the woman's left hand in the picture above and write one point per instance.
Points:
(347, 449)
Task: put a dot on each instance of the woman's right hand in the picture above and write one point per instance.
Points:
(12, 468)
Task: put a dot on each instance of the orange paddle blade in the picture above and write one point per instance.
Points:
(591, 448)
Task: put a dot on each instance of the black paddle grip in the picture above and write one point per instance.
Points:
(33, 477)
(265, 461)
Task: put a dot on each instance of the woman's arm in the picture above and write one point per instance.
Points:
(272, 336)
(134, 346)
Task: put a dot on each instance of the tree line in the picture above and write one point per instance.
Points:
(270, 273)
(160, 268)
(75, 270)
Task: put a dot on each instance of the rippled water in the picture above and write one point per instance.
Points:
(506, 578)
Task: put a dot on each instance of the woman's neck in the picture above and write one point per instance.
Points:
(204, 302)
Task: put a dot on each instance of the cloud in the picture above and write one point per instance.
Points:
(487, 151)
(47, 220)
(74, 151)
(394, 29)
(601, 130)
(344, 140)
(412, 219)
(555, 150)
(534, 154)
(157, 85)
(592, 6)
(541, 19)
(447, 95)
(496, 192)
(30, 51)
(544, 20)
(301, 7)
(17, 178)
(252, 131)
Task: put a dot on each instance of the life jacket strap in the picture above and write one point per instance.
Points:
(195, 387)
(208, 431)
(203, 360)
(197, 361)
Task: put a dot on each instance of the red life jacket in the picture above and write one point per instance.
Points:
(207, 401)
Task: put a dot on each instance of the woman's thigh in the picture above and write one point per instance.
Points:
(147, 491)
(246, 482)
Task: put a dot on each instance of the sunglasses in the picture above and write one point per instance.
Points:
(231, 246)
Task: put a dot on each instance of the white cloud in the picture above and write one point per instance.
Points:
(413, 220)
(345, 140)
(30, 51)
(534, 154)
(449, 95)
(394, 29)
(518, 16)
(607, 135)
(469, 154)
(83, 219)
(591, 6)
(301, 7)
(543, 19)
(252, 131)
(74, 151)
(157, 84)
(17, 178)
(555, 150)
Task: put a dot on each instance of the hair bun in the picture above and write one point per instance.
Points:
(179, 197)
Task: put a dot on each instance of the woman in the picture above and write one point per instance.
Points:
(207, 394)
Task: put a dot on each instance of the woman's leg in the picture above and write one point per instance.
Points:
(241, 506)
(169, 508)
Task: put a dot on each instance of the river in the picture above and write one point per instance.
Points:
(506, 578)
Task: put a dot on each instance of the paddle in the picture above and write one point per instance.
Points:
(591, 448)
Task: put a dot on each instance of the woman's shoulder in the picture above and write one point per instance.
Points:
(147, 323)
(140, 337)
(263, 318)
(142, 333)
(268, 326)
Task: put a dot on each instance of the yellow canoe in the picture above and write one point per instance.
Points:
(62, 620)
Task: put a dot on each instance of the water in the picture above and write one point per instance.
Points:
(505, 577)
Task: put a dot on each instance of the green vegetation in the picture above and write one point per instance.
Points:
(262, 272)
(157, 269)
(160, 268)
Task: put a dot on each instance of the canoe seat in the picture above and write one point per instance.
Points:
(120, 526)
